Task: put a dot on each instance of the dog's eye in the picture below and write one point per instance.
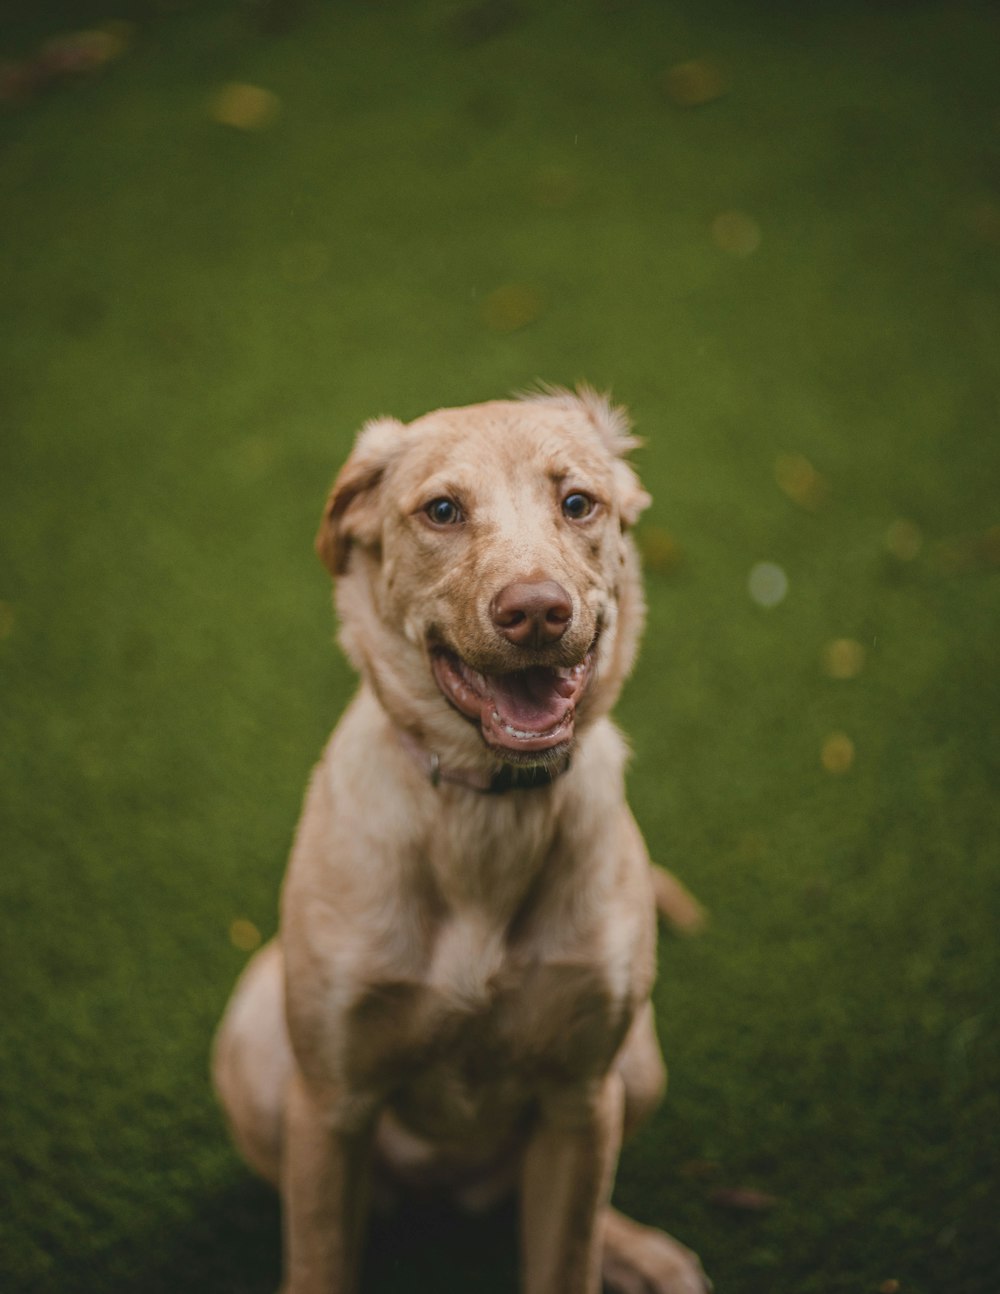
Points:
(576, 506)
(443, 512)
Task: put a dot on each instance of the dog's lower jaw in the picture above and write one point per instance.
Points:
(554, 759)
(531, 746)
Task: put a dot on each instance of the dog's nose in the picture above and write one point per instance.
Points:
(532, 613)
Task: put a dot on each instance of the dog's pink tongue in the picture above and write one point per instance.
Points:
(532, 700)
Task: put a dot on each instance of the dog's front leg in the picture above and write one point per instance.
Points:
(569, 1168)
(325, 1181)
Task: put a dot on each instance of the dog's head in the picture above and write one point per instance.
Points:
(486, 583)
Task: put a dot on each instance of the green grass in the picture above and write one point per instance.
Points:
(197, 318)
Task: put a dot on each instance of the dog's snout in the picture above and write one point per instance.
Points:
(532, 613)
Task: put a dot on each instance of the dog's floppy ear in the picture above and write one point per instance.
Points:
(353, 510)
(612, 421)
(633, 500)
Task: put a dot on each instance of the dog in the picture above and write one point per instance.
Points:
(459, 995)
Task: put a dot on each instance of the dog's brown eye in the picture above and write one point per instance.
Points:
(443, 512)
(576, 506)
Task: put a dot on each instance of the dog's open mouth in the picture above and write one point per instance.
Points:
(523, 712)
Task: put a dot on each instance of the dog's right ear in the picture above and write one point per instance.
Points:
(353, 510)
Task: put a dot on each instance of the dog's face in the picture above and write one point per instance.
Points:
(487, 585)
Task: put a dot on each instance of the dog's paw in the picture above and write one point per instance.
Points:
(642, 1260)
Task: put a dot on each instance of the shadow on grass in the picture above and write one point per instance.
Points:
(230, 1242)
(234, 1244)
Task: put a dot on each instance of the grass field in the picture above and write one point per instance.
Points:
(793, 284)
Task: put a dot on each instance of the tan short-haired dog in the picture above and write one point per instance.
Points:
(459, 994)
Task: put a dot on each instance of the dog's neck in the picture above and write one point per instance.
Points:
(508, 778)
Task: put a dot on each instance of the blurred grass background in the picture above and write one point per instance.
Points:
(774, 232)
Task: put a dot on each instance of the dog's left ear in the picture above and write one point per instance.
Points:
(615, 427)
(353, 511)
(633, 500)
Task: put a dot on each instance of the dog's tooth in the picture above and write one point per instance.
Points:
(472, 676)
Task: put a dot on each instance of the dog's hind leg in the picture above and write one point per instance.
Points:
(252, 1062)
(640, 1064)
(637, 1259)
(643, 1260)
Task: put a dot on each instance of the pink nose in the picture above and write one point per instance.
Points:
(532, 613)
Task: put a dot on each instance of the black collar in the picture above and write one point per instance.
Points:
(511, 777)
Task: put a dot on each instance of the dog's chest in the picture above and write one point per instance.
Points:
(486, 1029)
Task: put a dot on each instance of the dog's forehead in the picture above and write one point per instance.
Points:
(512, 436)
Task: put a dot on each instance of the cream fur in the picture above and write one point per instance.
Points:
(459, 995)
